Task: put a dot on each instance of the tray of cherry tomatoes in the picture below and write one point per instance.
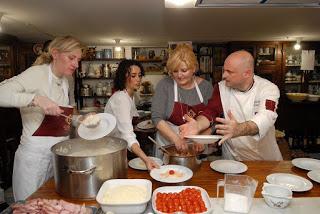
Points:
(184, 199)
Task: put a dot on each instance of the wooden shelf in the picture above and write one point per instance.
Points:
(150, 60)
(292, 82)
(92, 96)
(102, 59)
(293, 65)
(96, 78)
(314, 81)
(265, 54)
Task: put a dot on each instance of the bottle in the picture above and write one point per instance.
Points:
(1, 195)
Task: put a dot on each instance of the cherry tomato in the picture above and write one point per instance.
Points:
(171, 172)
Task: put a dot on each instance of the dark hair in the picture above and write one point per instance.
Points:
(123, 70)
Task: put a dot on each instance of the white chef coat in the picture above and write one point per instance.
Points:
(253, 105)
(33, 158)
(123, 107)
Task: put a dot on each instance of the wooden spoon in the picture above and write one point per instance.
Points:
(160, 147)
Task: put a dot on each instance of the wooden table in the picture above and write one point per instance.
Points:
(205, 177)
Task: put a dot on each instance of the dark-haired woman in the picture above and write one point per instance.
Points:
(121, 104)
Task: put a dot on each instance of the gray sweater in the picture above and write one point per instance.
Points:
(163, 99)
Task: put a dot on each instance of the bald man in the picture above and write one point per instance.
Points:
(244, 107)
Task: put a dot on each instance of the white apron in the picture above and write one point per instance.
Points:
(161, 139)
(33, 158)
(243, 109)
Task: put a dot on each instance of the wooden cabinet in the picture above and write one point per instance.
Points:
(296, 80)
(94, 82)
(210, 58)
(8, 56)
(6, 62)
(267, 57)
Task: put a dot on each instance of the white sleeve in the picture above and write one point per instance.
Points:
(17, 91)
(121, 107)
(266, 115)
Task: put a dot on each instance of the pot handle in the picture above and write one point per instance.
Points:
(85, 172)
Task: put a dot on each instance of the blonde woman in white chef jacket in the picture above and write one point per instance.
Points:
(121, 104)
(248, 103)
(39, 91)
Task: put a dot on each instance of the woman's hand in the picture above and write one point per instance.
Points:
(181, 145)
(49, 107)
(151, 164)
(198, 148)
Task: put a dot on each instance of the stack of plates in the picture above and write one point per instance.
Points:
(313, 165)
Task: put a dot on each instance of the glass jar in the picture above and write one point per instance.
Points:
(109, 88)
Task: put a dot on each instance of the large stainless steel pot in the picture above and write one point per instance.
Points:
(190, 159)
(81, 166)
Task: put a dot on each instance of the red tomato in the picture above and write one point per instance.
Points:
(171, 172)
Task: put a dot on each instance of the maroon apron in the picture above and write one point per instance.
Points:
(180, 109)
(176, 117)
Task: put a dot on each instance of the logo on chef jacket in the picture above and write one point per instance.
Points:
(270, 105)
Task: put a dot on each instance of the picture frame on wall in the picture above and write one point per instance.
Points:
(173, 44)
(4, 56)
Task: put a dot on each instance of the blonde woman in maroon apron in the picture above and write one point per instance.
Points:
(175, 96)
(41, 93)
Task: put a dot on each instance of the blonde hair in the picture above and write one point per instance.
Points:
(183, 53)
(62, 44)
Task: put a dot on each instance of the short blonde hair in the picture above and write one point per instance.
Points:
(62, 44)
(183, 53)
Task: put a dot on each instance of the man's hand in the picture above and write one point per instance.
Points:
(198, 148)
(49, 107)
(190, 127)
(228, 128)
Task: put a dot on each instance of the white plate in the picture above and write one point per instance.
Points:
(174, 189)
(306, 163)
(294, 182)
(137, 163)
(314, 175)
(228, 166)
(147, 124)
(106, 125)
(181, 174)
(204, 139)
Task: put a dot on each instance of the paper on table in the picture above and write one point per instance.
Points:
(56, 126)
(307, 60)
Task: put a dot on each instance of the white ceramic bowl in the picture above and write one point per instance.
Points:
(132, 208)
(276, 196)
(313, 97)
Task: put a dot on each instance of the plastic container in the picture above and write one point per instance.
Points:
(123, 208)
(174, 189)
